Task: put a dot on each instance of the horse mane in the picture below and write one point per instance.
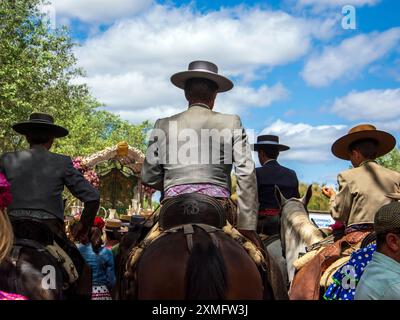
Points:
(206, 273)
(300, 224)
(306, 230)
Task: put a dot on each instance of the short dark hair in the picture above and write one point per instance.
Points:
(39, 136)
(199, 89)
(367, 147)
(271, 152)
(381, 238)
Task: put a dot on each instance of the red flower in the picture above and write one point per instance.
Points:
(338, 225)
(99, 223)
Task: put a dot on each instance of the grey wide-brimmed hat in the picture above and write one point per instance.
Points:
(40, 121)
(205, 70)
(266, 140)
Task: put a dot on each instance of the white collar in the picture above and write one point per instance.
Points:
(200, 105)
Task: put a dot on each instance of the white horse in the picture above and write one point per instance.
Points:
(297, 231)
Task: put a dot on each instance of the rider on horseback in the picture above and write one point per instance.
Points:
(38, 176)
(363, 189)
(168, 169)
(269, 175)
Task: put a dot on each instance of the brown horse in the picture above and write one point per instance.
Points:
(25, 277)
(214, 268)
(30, 270)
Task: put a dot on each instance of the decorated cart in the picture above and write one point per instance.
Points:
(115, 171)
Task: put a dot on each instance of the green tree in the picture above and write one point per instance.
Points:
(37, 73)
(391, 160)
(318, 201)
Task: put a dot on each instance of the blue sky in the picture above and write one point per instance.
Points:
(297, 72)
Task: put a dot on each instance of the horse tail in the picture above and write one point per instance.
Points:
(206, 272)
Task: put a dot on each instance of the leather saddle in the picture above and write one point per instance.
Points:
(30, 229)
(191, 208)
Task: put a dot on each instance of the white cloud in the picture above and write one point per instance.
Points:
(130, 64)
(336, 3)
(375, 105)
(165, 39)
(136, 97)
(99, 11)
(346, 60)
(307, 143)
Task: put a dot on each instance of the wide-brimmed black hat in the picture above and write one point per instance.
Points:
(40, 121)
(205, 70)
(265, 141)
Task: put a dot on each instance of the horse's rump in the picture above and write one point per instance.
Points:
(168, 270)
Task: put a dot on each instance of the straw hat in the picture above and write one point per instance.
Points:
(112, 224)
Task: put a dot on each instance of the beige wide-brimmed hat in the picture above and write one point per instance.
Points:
(205, 70)
(363, 131)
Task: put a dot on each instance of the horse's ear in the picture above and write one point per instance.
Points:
(279, 196)
(307, 196)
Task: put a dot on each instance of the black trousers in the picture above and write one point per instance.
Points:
(57, 228)
(268, 225)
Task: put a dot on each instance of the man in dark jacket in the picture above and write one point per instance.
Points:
(270, 174)
(38, 177)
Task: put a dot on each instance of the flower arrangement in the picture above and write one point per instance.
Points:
(89, 174)
(5, 193)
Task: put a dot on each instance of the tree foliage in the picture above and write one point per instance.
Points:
(391, 160)
(318, 201)
(38, 73)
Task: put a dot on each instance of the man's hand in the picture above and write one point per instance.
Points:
(328, 192)
(80, 234)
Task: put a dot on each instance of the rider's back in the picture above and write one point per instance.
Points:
(38, 177)
(206, 161)
(368, 185)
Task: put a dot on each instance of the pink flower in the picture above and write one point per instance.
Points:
(3, 182)
(77, 162)
(5, 193)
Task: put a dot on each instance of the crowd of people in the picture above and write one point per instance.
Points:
(366, 199)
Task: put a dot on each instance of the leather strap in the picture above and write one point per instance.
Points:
(15, 254)
(188, 232)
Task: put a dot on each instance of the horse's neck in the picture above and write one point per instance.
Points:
(298, 223)
(298, 232)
